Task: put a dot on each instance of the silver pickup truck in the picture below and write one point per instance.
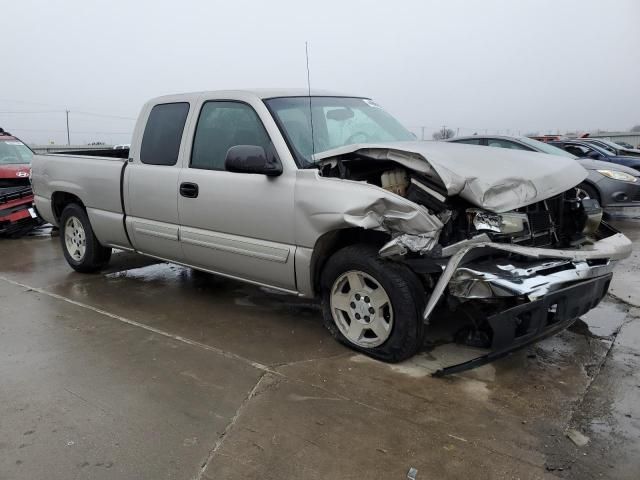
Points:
(329, 196)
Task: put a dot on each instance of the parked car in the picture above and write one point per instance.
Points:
(17, 215)
(581, 149)
(616, 187)
(390, 233)
(626, 145)
(613, 147)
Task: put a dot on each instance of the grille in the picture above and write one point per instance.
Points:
(545, 220)
(539, 221)
(14, 182)
(8, 194)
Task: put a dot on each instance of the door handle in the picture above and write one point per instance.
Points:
(189, 190)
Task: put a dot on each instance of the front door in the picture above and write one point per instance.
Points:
(236, 224)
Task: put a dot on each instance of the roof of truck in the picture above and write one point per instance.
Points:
(262, 93)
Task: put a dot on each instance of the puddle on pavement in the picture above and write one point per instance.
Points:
(242, 294)
(162, 272)
(44, 231)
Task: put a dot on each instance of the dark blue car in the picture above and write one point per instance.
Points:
(590, 150)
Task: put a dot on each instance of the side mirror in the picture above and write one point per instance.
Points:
(251, 159)
(594, 155)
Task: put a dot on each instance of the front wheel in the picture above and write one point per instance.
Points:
(372, 305)
(79, 244)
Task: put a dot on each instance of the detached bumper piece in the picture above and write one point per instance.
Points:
(525, 324)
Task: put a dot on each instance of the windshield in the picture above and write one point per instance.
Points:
(604, 144)
(14, 151)
(545, 147)
(614, 147)
(598, 148)
(337, 121)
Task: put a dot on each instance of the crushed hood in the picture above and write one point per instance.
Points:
(496, 179)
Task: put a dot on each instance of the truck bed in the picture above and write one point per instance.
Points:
(93, 179)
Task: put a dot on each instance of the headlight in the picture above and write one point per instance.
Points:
(502, 223)
(618, 175)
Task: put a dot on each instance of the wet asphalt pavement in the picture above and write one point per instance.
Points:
(150, 371)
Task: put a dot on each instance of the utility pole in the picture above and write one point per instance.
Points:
(68, 137)
(422, 129)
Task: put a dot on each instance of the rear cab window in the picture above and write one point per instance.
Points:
(163, 134)
(469, 141)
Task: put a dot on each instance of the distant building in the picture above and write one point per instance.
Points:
(632, 138)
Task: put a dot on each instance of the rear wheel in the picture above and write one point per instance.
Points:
(372, 305)
(79, 244)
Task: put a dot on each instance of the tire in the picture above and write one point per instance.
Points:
(79, 244)
(589, 191)
(393, 331)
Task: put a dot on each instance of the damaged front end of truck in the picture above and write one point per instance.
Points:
(498, 237)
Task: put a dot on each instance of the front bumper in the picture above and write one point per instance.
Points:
(531, 279)
(552, 288)
(525, 324)
(16, 211)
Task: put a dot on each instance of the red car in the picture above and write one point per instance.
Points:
(17, 215)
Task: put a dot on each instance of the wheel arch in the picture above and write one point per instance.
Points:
(591, 184)
(330, 242)
(60, 199)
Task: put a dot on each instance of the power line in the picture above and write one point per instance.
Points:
(102, 115)
(29, 113)
(65, 131)
(29, 103)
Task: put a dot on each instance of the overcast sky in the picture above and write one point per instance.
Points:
(474, 65)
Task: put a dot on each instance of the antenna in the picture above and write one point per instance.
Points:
(313, 145)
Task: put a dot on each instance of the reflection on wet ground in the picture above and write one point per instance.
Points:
(161, 371)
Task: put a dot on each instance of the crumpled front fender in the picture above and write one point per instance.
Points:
(327, 204)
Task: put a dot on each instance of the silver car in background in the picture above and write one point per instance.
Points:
(615, 187)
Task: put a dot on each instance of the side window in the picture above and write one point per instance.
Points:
(470, 141)
(577, 150)
(223, 125)
(163, 133)
(500, 143)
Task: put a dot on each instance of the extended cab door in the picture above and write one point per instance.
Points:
(236, 224)
(150, 187)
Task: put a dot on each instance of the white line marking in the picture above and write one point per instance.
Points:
(179, 338)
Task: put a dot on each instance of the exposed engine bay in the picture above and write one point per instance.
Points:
(562, 221)
(513, 276)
